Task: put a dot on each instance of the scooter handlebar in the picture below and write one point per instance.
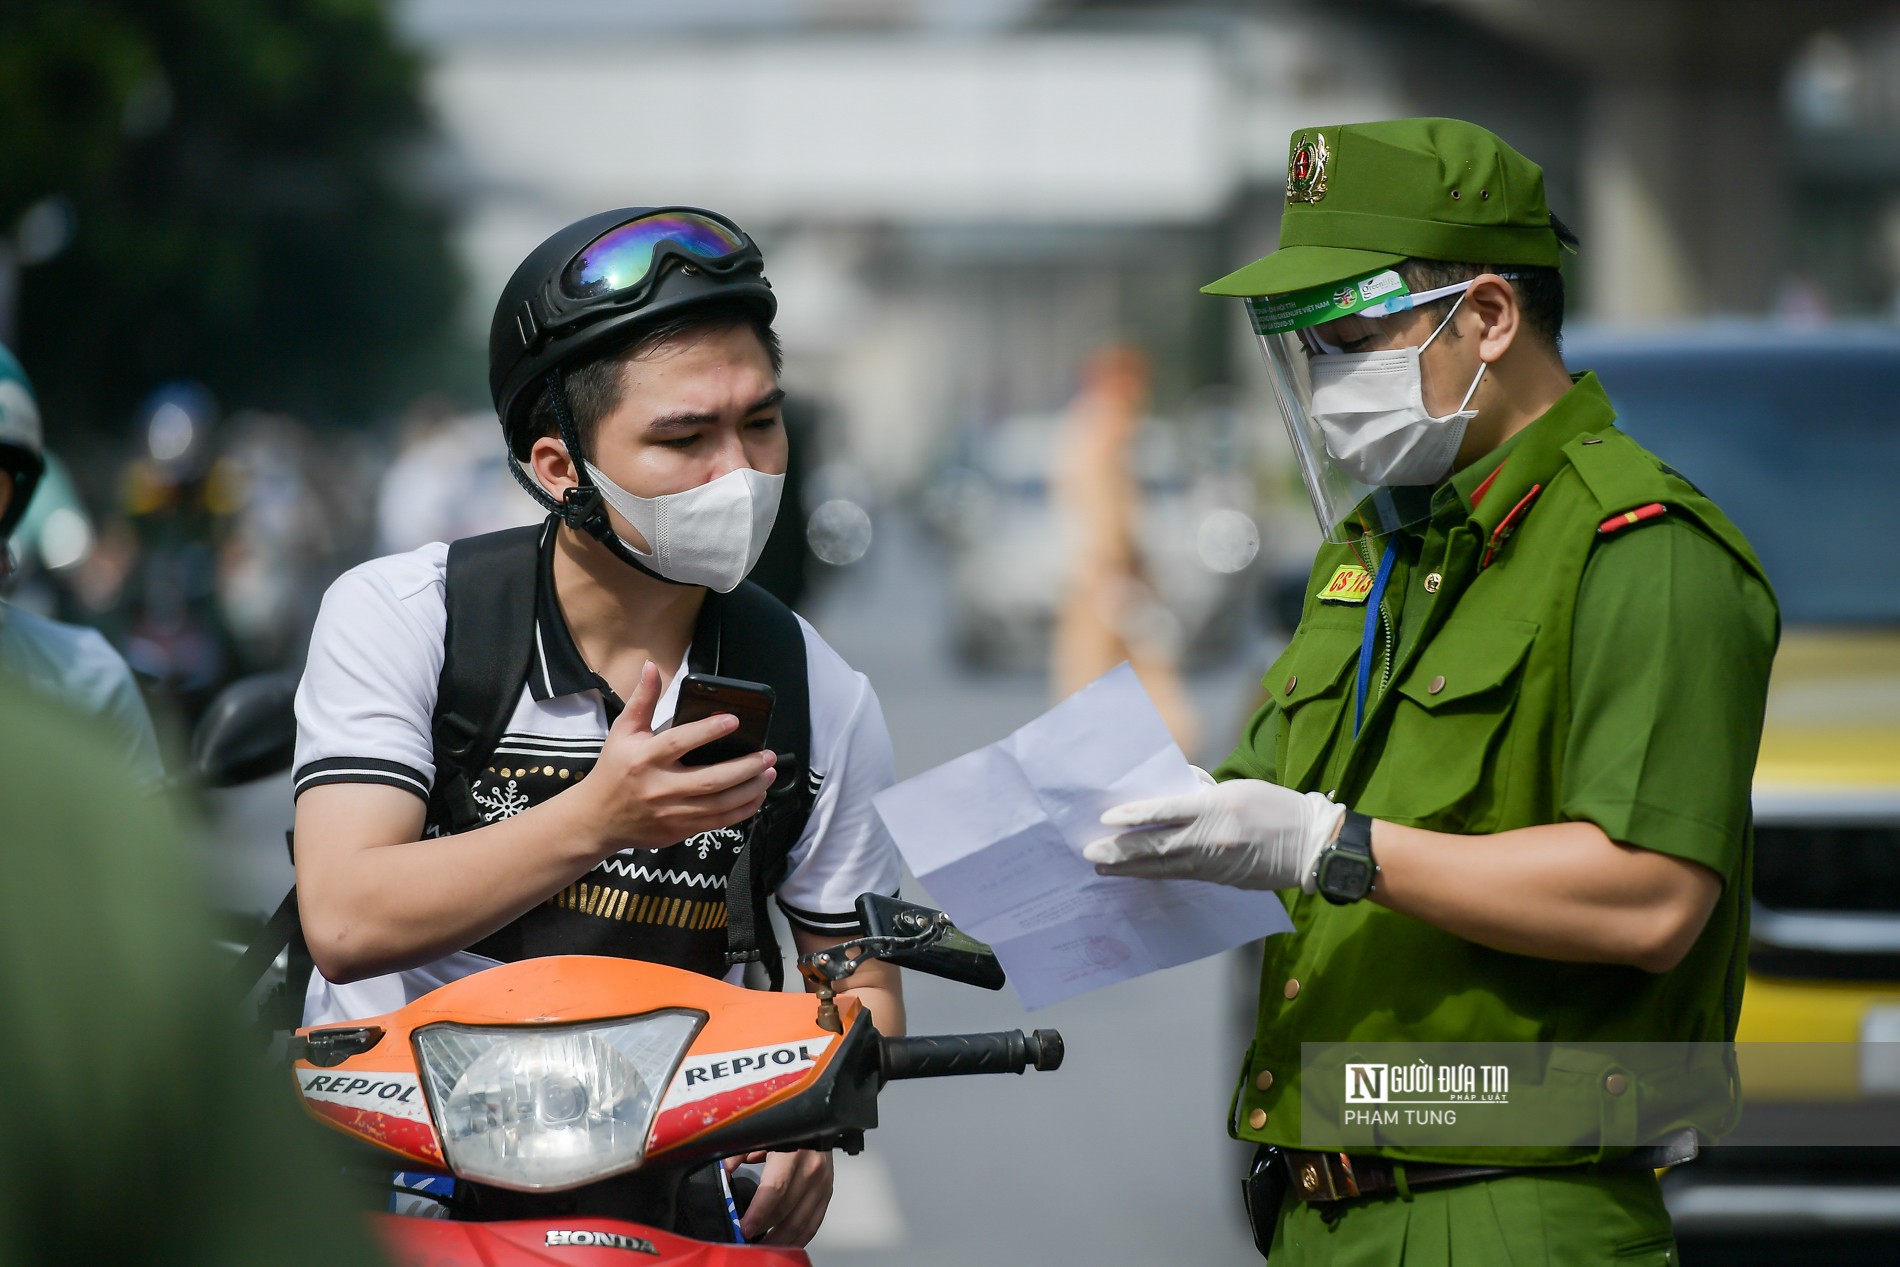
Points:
(947, 1055)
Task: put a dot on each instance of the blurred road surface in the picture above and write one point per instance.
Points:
(1121, 1155)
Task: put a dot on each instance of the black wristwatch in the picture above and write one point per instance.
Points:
(1346, 869)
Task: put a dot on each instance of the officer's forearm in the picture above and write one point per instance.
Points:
(1559, 891)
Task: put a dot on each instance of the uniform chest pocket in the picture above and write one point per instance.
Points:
(1312, 685)
(1442, 758)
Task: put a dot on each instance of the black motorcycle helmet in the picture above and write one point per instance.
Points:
(600, 279)
(596, 282)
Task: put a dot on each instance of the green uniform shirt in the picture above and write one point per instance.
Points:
(140, 1125)
(1529, 668)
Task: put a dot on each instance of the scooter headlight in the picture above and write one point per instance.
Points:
(550, 1107)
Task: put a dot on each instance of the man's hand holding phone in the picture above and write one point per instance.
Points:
(648, 797)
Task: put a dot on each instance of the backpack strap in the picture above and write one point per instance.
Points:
(487, 650)
(487, 644)
(749, 634)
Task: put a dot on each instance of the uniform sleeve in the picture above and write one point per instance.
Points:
(845, 849)
(1669, 679)
(368, 690)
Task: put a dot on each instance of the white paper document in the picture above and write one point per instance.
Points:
(997, 836)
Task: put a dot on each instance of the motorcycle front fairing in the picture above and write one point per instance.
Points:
(554, 1073)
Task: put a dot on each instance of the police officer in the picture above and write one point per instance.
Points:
(1502, 772)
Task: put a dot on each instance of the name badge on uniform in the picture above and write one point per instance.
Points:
(1350, 584)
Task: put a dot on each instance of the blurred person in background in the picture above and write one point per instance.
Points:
(51, 542)
(449, 480)
(180, 498)
(71, 663)
(635, 374)
(1110, 611)
(139, 1126)
(289, 533)
(1502, 776)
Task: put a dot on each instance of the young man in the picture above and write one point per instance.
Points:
(70, 663)
(635, 373)
(1503, 771)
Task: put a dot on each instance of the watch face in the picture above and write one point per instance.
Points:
(1346, 876)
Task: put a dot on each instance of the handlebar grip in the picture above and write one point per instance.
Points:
(948, 1055)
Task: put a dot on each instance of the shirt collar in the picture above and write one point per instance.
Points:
(557, 667)
(1490, 488)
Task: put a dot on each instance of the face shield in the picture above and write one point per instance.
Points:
(1369, 449)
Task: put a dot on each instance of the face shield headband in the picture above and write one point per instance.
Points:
(1370, 451)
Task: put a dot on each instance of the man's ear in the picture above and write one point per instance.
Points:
(551, 467)
(1492, 300)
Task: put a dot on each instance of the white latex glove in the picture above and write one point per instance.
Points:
(1245, 833)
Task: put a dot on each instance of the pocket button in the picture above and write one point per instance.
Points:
(1437, 685)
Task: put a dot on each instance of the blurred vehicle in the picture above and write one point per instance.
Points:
(1795, 432)
(1197, 538)
(583, 1101)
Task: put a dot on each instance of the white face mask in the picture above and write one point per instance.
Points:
(1370, 406)
(710, 535)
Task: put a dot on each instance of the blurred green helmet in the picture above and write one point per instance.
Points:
(22, 451)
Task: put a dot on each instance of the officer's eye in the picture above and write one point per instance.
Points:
(763, 424)
(681, 442)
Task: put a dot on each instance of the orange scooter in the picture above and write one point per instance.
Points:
(569, 1109)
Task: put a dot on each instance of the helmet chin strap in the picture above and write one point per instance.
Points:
(580, 507)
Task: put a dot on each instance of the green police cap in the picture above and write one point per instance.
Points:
(1362, 196)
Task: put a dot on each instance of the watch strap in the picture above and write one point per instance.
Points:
(1353, 841)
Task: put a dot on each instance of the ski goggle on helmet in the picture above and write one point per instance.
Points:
(621, 264)
(1370, 449)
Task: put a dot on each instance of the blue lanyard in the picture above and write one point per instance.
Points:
(1366, 644)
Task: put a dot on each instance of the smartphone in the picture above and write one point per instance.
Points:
(702, 695)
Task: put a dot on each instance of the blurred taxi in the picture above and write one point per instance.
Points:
(1795, 432)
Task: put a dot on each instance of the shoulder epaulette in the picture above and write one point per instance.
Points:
(1616, 523)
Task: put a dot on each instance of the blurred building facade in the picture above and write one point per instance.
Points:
(961, 200)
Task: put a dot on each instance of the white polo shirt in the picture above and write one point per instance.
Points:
(364, 712)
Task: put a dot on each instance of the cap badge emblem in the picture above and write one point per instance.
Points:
(1306, 170)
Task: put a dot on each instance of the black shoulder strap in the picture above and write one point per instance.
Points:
(486, 649)
(489, 594)
(749, 634)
